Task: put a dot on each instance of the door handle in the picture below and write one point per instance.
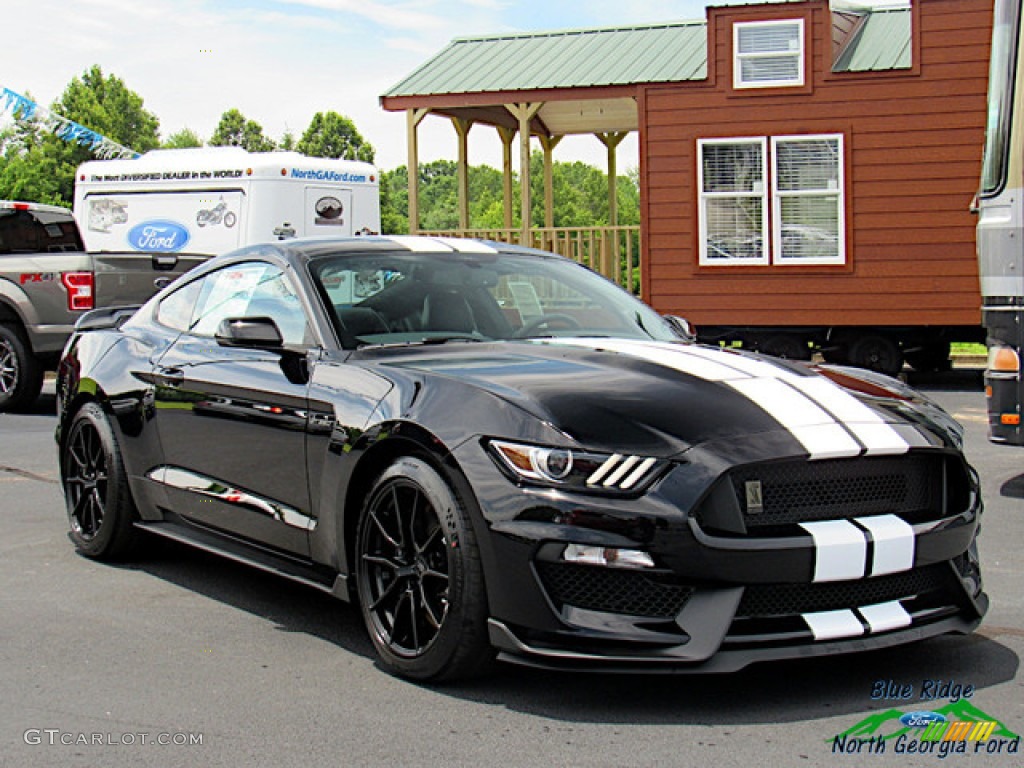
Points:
(170, 377)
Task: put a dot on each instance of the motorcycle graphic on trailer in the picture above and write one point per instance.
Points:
(219, 214)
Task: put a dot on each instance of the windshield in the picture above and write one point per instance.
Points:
(1005, 37)
(401, 297)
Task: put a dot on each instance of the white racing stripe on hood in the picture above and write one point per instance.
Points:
(663, 354)
(821, 415)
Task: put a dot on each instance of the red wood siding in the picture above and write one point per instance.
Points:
(913, 143)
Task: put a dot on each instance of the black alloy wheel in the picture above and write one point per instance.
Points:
(419, 576)
(100, 510)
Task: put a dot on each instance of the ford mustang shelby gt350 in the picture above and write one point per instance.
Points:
(493, 450)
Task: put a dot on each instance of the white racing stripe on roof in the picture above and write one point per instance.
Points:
(463, 245)
(421, 244)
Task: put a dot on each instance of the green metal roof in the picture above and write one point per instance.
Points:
(565, 59)
(656, 53)
(881, 42)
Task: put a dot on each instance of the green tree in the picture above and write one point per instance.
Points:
(580, 196)
(287, 142)
(332, 135)
(182, 139)
(39, 166)
(235, 130)
(394, 201)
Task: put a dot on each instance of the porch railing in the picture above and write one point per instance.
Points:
(612, 251)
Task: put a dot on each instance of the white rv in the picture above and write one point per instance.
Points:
(150, 219)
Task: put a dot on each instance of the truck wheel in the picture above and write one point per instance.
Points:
(21, 374)
(787, 345)
(877, 353)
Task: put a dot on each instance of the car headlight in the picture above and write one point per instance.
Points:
(559, 467)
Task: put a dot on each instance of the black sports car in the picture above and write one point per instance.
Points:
(493, 450)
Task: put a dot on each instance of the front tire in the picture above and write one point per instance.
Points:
(420, 580)
(101, 512)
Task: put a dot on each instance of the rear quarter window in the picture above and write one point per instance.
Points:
(38, 232)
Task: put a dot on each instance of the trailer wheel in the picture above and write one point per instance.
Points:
(787, 345)
(930, 358)
(877, 353)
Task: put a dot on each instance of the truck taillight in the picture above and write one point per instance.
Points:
(79, 286)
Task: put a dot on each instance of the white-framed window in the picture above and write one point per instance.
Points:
(808, 212)
(768, 54)
(778, 200)
(733, 201)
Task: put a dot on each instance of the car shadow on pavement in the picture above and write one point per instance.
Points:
(779, 692)
(292, 607)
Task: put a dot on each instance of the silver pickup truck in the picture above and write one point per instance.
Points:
(46, 284)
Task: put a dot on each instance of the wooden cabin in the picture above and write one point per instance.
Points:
(806, 184)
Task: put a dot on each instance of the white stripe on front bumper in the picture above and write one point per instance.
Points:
(883, 617)
(894, 542)
(831, 625)
(840, 550)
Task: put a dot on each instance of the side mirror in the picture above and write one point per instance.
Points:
(681, 326)
(249, 332)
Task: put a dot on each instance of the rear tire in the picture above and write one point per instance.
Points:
(419, 577)
(21, 374)
(101, 512)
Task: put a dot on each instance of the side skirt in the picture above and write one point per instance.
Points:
(295, 570)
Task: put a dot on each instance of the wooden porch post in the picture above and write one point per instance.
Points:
(524, 113)
(610, 266)
(413, 117)
(611, 141)
(548, 143)
(507, 136)
(462, 129)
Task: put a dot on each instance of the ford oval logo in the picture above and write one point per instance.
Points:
(921, 719)
(158, 236)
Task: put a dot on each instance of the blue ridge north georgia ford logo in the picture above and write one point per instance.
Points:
(158, 236)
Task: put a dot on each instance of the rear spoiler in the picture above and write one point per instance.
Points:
(107, 317)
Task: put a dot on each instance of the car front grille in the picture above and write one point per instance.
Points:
(766, 499)
(785, 599)
(612, 590)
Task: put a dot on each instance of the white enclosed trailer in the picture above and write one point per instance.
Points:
(149, 219)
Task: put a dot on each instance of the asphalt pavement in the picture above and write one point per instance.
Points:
(181, 658)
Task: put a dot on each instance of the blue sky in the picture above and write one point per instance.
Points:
(281, 61)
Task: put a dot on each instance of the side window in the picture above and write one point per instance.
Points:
(34, 231)
(768, 53)
(733, 201)
(175, 311)
(256, 289)
(18, 232)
